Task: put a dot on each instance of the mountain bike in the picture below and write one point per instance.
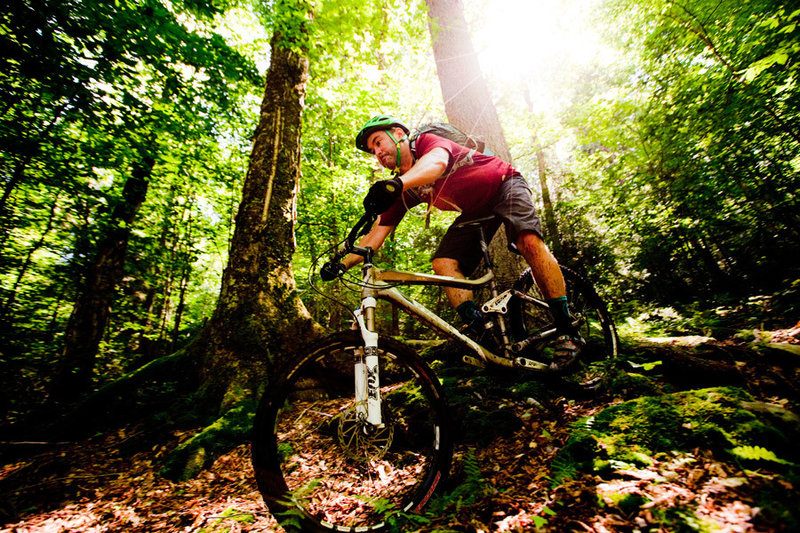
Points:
(357, 434)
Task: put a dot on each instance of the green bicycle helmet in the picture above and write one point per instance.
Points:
(381, 123)
(376, 123)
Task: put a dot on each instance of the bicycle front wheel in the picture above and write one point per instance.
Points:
(321, 467)
(531, 317)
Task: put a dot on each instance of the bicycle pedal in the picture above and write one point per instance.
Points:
(474, 361)
(530, 364)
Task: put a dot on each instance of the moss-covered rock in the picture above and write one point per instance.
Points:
(671, 438)
(721, 420)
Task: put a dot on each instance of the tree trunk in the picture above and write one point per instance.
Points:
(90, 313)
(467, 101)
(259, 319)
(183, 285)
(550, 226)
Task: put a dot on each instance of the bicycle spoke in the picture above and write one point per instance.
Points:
(588, 312)
(340, 471)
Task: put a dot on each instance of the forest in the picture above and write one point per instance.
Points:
(175, 173)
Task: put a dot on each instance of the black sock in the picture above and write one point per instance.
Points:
(469, 312)
(559, 308)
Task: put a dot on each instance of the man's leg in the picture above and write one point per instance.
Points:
(457, 256)
(462, 300)
(544, 266)
(445, 266)
(548, 277)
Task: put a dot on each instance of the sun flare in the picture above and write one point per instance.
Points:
(533, 40)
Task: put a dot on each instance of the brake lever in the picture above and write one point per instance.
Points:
(369, 220)
(360, 229)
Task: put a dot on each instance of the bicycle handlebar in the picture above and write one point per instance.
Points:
(360, 228)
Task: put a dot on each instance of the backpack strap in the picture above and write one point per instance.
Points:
(412, 145)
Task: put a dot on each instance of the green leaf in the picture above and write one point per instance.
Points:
(539, 522)
(758, 453)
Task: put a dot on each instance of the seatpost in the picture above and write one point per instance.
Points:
(367, 253)
(500, 321)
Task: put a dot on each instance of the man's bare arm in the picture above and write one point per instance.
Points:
(427, 169)
(374, 239)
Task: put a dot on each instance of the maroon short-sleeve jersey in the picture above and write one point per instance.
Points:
(467, 185)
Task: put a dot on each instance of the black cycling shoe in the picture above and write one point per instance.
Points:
(564, 351)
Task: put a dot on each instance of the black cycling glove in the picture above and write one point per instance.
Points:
(331, 271)
(382, 195)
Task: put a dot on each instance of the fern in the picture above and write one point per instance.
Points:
(563, 468)
(396, 520)
(465, 493)
(472, 470)
(540, 521)
(758, 453)
(473, 484)
(290, 518)
(399, 522)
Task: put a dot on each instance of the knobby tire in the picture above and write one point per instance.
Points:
(594, 324)
(318, 470)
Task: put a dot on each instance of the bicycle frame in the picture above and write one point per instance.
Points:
(376, 285)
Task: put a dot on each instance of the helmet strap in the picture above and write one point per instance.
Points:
(397, 145)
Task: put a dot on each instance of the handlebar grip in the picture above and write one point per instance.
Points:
(331, 270)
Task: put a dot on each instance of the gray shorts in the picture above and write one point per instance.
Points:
(512, 204)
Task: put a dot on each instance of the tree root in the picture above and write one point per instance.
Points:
(228, 431)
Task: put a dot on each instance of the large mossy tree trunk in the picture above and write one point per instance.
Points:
(259, 321)
(259, 318)
(467, 100)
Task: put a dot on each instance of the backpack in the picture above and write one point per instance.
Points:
(448, 131)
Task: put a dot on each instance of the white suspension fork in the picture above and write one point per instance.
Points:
(367, 381)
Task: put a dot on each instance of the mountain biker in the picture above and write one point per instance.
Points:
(451, 177)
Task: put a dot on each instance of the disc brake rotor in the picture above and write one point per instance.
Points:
(362, 441)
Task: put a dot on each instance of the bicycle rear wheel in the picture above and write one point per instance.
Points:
(320, 468)
(588, 310)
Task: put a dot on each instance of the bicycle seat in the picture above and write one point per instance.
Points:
(475, 221)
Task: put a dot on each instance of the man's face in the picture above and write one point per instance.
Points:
(383, 148)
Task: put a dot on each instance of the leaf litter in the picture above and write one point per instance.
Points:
(110, 483)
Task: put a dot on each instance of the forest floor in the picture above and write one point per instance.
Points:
(110, 483)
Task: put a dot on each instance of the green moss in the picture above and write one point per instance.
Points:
(683, 520)
(717, 419)
(237, 516)
(602, 467)
(634, 385)
(714, 419)
(227, 432)
(628, 504)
